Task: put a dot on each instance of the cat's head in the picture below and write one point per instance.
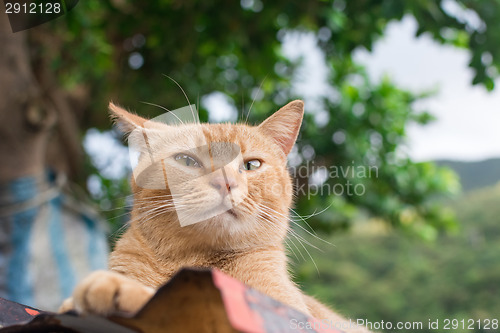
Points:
(220, 185)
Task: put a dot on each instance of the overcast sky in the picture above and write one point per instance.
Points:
(468, 117)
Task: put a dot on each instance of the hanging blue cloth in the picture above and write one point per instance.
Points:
(48, 241)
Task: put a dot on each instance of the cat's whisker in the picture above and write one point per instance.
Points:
(122, 197)
(311, 234)
(304, 218)
(315, 213)
(161, 195)
(309, 254)
(153, 208)
(119, 216)
(274, 222)
(164, 108)
(293, 243)
(185, 95)
(158, 198)
(298, 249)
(191, 195)
(297, 224)
(295, 234)
(254, 98)
(272, 218)
(158, 210)
(298, 237)
(122, 229)
(148, 217)
(242, 105)
(156, 202)
(271, 225)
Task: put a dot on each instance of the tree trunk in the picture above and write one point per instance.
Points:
(25, 120)
(38, 127)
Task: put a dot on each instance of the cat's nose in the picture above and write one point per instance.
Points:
(224, 185)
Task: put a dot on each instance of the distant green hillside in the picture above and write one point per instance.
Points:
(394, 278)
(475, 175)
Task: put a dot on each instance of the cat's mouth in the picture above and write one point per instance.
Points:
(232, 213)
(222, 211)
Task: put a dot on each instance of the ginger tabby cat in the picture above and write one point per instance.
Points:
(245, 240)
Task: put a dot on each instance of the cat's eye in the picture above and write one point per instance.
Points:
(252, 165)
(187, 160)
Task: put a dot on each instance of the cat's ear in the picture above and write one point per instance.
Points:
(283, 126)
(126, 121)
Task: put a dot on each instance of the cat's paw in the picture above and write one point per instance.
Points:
(106, 293)
(67, 305)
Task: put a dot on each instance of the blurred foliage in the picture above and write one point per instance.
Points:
(455, 277)
(119, 49)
